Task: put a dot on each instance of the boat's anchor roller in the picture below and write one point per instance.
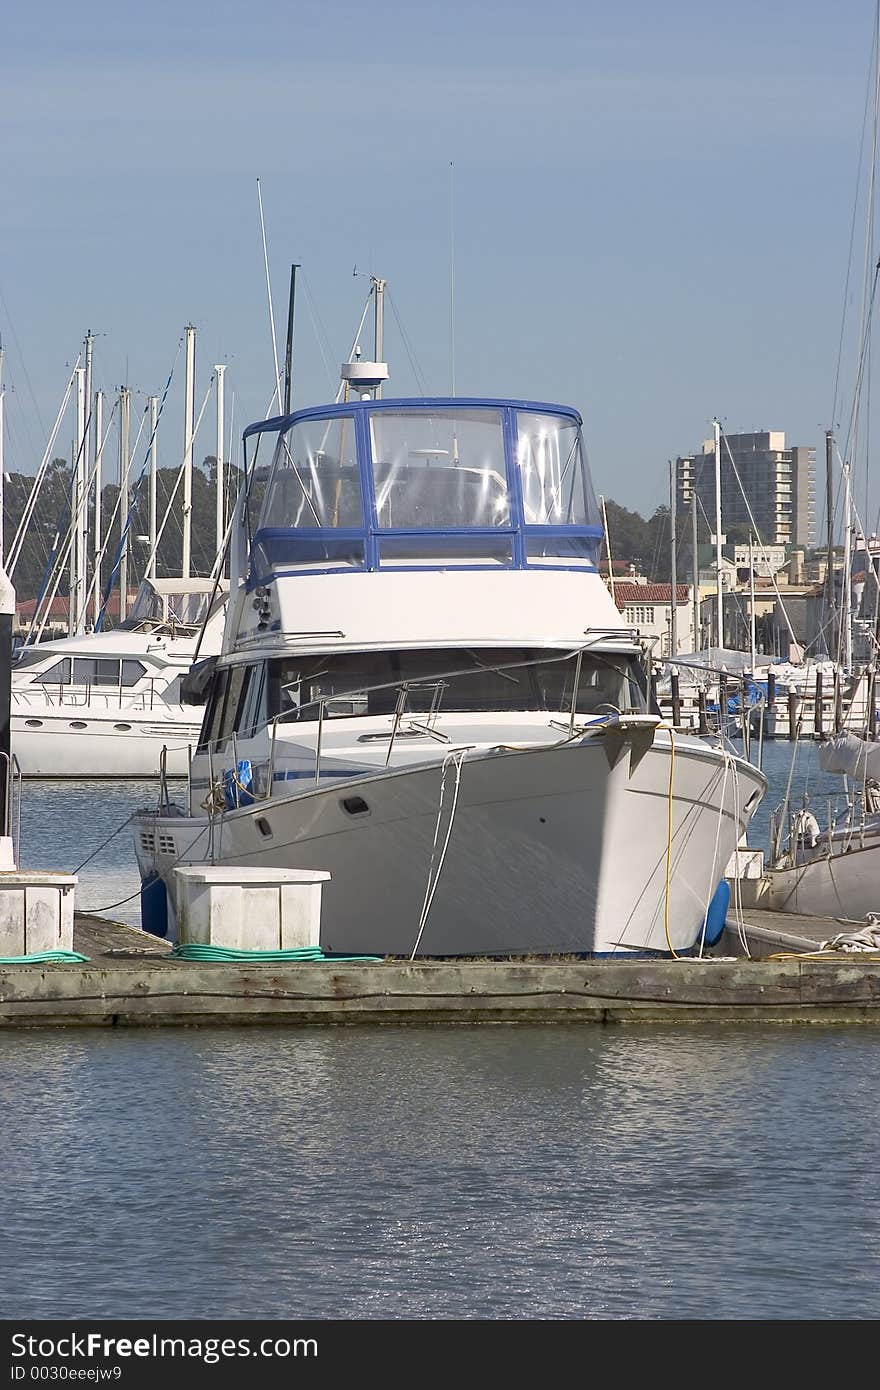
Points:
(634, 732)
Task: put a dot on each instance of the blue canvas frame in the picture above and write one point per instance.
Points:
(372, 535)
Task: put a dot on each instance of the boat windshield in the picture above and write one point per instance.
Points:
(439, 470)
(185, 609)
(555, 484)
(513, 679)
(314, 483)
(399, 484)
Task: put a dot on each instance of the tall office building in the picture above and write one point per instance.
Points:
(778, 482)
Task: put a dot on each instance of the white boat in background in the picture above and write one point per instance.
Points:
(425, 690)
(106, 704)
(834, 872)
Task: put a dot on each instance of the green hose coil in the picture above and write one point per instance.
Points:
(45, 958)
(198, 951)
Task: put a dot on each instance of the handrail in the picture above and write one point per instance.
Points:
(403, 689)
(439, 677)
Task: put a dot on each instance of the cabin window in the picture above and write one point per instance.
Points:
(214, 708)
(315, 482)
(235, 691)
(58, 674)
(439, 471)
(555, 487)
(105, 670)
(90, 670)
(132, 671)
(368, 683)
(252, 705)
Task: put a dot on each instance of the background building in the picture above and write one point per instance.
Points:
(649, 608)
(778, 482)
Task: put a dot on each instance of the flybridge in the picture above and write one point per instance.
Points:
(419, 484)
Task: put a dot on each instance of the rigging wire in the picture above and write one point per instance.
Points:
(321, 336)
(410, 351)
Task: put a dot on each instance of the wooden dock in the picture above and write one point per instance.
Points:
(131, 980)
(762, 934)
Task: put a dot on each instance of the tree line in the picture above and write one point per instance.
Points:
(48, 529)
(636, 540)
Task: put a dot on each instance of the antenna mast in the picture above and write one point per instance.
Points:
(288, 357)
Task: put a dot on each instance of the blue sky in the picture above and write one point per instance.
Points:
(653, 206)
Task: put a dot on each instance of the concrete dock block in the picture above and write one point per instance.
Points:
(248, 909)
(36, 912)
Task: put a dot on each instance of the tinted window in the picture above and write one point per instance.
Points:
(452, 680)
(214, 708)
(235, 692)
(90, 670)
(252, 706)
(132, 672)
(59, 674)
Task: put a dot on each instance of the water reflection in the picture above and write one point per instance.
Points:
(556, 1171)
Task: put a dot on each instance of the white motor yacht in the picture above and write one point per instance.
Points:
(424, 688)
(106, 704)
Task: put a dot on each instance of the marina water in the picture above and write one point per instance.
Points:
(528, 1171)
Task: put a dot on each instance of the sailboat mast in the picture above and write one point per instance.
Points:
(719, 613)
(78, 510)
(220, 525)
(829, 527)
(188, 432)
(698, 642)
(124, 463)
(752, 639)
(96, 468)
(153, 402)
(82, 538)
(846, 579)
(2, 547)
(673, 567)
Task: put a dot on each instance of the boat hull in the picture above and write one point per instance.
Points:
(78, 743)
(845, 885)
(548, 850)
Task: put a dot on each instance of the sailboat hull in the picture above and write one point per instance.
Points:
(845, 885)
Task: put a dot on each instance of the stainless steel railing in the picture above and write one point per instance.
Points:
(403, 690)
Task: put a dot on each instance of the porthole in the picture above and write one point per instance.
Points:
(123, 728)
(78, 724)
(355, 805)
(34, 723)
(264, 827)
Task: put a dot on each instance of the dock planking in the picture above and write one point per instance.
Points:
(761, 934)
(131, 980)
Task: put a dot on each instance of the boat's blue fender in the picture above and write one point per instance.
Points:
(238, 784)
(716, 915)
(154, 905)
